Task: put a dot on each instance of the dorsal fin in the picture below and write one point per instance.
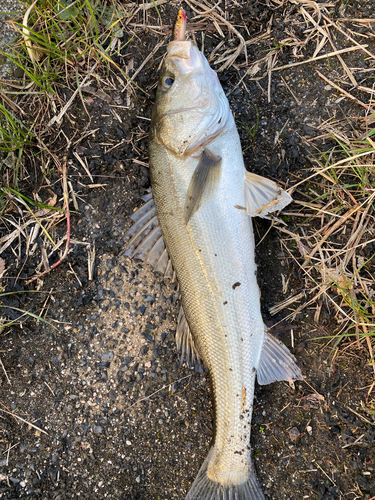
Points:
(144, 240)
(185, 343)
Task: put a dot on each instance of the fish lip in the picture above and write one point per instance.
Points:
(177, 111)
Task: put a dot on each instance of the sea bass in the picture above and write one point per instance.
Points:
(197, 225)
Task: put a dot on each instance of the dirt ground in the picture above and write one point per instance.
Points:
(115, 415)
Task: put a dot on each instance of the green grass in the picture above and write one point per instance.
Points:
(253, 130)
(60, 43)
(63, 40)
(14, 134)
(60, 38)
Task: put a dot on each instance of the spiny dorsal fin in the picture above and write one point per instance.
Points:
(263, 196)
(199, 181)
(144, 240)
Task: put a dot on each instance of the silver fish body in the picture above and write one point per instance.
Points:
(214, 259)
(203, 197)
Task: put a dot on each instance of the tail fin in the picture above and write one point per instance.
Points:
(204, 488)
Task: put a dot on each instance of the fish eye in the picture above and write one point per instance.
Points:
(168, 81)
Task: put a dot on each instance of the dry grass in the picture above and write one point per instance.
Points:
(61, 49)
(335, 242)
(335, 233)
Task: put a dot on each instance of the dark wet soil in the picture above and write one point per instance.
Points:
(115, 415)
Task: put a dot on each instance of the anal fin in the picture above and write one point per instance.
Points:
(276, 363)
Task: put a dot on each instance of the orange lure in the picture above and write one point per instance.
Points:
(179, 29)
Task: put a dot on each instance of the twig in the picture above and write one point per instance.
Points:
(285, 303)
(230, 27)
(25, 421)
(313, 59)
(348, 36)
(337, 224)
(153, 394)
(344, 91)
(355, 442)
(327, 476)
(12, 104)
(270, 65)
(75, 274)
(291, 91)
(91, 261)
(360, 416)
(144, 7)
(66, 207)
(356, 20)
(74, 199)
(151, 54)
(3, 367)
(343, 63)
(84, 166)
(49, 387)
(26, 31)
(57, 118)
(369, 343)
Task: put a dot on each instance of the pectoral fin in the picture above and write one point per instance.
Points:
(263, 196)
(276, 363)
(201, 180)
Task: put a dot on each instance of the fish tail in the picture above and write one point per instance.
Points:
(204, 488)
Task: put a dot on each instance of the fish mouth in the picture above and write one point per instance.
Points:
(183, 110)
(203, 107)
(185, 56)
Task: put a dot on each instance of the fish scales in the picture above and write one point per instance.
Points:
(210, 258)
(204, 200)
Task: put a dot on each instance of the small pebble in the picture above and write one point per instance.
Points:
(108, 356)
(149, 299)
(294, 434)
(113, 395)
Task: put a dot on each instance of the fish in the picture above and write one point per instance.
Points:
(196, 227)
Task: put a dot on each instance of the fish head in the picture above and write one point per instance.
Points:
(191, 108)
